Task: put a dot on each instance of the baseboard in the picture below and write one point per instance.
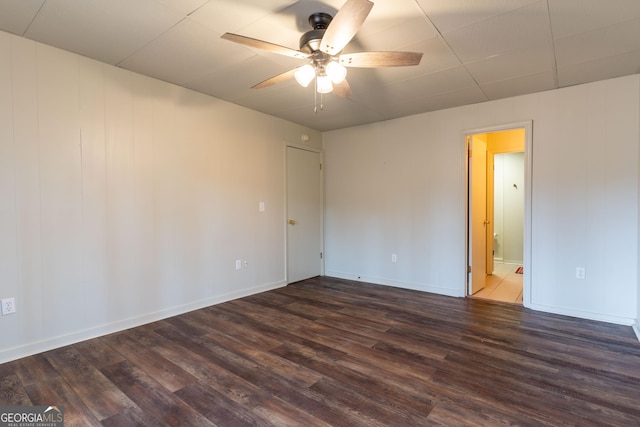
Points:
(121, 325)
(583, 314)
(397, 284)
(636, 329)
(459, 293)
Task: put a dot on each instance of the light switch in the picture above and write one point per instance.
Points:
(261, 206)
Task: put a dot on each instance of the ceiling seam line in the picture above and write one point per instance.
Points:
(118, 64)
(556, 79)
(441, 36)
(33, 19)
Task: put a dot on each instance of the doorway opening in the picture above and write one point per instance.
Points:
(498, 231)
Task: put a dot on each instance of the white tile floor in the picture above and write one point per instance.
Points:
(503, 285)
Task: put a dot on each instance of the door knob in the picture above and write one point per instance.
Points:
(292, 221)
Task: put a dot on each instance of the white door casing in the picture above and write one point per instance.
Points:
(528, 168)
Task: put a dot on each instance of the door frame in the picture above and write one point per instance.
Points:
(528, 162)
(288, 145)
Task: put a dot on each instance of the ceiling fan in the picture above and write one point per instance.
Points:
(323, 46)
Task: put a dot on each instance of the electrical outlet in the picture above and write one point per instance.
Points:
(580, 273)
(394, 258)
(8, 306)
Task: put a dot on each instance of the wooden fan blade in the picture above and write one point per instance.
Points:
(380, 59)
(345, 25)
(260, 44)
(342, 89)
(276, 79)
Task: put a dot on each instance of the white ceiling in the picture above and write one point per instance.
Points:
(474, 50)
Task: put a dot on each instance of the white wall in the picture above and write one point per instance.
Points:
(637, 324)
(398, 187)
(508, 214)
(124, 199)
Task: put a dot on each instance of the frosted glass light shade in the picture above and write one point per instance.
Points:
(324, 84)
(336, 72)
(305, 74)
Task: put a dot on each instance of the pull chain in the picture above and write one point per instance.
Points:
(315, 98)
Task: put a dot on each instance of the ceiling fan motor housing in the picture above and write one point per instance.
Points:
(310, 41)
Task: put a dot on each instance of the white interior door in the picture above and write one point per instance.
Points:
(304, 207)
(478, 215)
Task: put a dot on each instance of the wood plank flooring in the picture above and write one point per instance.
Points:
(329, 352)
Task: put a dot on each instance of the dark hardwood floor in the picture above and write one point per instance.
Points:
(332, 352)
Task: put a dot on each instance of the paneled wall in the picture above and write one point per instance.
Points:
(637, 325)
(398, 187)
(124, 199)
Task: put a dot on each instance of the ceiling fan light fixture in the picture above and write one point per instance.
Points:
(322, 47)
(305, 74)
(337, 72)
(324, 84)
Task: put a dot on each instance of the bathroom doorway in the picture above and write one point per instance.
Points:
(498, 190)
